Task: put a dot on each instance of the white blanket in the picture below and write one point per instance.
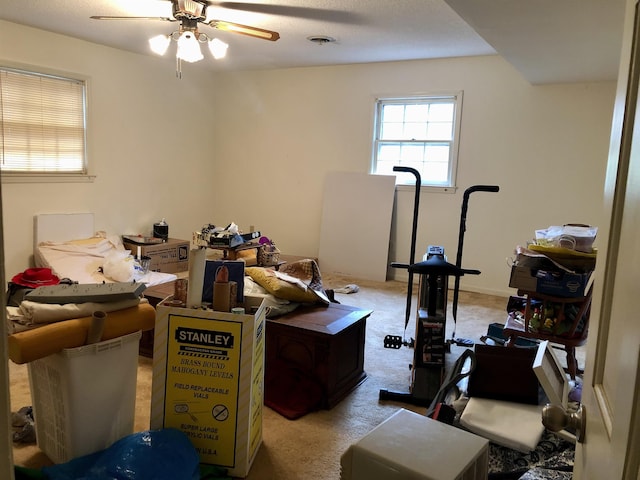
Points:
(82, 260)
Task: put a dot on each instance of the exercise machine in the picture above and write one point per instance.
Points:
(430, 344)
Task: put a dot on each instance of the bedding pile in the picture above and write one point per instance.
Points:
(101, 258)
(97, 259)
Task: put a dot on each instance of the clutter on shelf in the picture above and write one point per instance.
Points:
(560, 317)
(554, 278)
(229, 236)
(572, 236)
(552, 265)
(268, 253)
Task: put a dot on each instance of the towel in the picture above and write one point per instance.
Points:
(24, 347)
(514, 425)
(35, 313)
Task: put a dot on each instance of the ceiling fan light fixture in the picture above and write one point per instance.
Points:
(160, 44)
(190, 9)
(189, 48)
(218, 48)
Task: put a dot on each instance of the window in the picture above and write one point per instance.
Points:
(421, 133)
(42, 124)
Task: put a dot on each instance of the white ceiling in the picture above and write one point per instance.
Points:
(546, 40)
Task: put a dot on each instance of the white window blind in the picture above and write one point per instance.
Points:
(42, 123)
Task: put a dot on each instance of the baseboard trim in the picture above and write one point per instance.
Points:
(402, 276)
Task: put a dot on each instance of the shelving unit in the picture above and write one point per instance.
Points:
(569, 330)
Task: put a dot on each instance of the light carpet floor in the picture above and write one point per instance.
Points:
(310, 447)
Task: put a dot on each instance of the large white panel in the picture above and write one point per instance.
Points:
(356, 224)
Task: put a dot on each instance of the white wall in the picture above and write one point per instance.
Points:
(149, 141)
(545, 146)
(254, 148)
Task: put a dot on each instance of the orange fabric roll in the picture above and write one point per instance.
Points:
(43, 341)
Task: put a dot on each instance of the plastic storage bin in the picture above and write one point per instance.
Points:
(84, 397)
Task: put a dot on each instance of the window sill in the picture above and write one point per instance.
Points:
(46, 178)
(426, 188)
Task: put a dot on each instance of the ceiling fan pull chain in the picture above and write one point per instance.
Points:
(178, 68)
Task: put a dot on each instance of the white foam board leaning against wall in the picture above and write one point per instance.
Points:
(356, 224)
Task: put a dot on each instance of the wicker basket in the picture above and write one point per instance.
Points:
(268, 255)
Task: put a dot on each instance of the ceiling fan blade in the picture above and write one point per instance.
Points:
(244, 30)
(310, 13)
(107, 17)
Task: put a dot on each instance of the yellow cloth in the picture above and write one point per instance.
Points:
(41, 342)
(282, 285)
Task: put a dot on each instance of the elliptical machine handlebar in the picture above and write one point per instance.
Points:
(481, 188)
(459, 273)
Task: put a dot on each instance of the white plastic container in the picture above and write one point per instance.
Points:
(84, 397)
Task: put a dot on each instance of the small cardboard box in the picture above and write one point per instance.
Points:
(171, 256)
(208, 381)
(523, 278)
(563, 284)
(559, 284)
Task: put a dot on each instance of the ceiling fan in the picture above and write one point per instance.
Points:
(191, 13)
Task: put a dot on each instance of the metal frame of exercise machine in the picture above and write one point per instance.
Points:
(430, 345)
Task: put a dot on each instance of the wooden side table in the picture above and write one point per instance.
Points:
(570, 338)
(326, 342)
(155, 295)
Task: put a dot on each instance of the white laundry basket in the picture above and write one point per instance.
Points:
(84, 397)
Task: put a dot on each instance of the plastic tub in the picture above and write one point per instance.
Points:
(84, 397)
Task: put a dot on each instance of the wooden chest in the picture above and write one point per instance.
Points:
(325, 342)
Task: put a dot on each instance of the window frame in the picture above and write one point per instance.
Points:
(450, 186)
(53, 177)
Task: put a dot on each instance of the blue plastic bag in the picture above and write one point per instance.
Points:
(165, 454)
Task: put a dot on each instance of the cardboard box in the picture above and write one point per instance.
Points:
(559, 284)
(171, 256)
(523, 278)
(208, 381)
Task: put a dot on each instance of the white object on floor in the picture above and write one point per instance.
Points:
(351, 288)
(513, 425)
(516, 425)
(409, 446)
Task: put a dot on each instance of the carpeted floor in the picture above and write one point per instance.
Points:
(310, 447)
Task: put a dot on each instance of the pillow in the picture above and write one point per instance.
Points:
(267, 279)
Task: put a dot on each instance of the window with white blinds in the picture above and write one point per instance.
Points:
(42, 124)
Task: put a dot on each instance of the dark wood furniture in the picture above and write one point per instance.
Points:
(574, 331)
(155, 295)
(324, 341)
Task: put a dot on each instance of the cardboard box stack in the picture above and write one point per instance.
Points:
(560, 262)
